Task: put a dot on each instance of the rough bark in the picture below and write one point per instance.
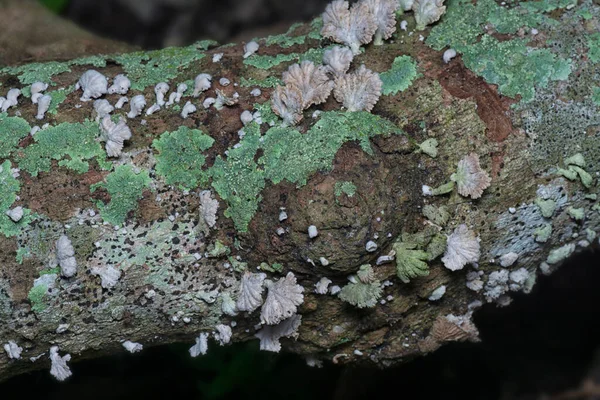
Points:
(521, 144)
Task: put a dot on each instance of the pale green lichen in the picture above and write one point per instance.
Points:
(269, 82)
(596, 95)
(285, 39)
(34, 72)
(125, 187)
(437, 215)
(410, 262)
(274, 268)
(147, 68)
(267, 62)
(547, 206)
(9, 187)
(58, 97)
(429, 147)
(543, 233)
(576, 213)
(180, 160)
(594, 46)
(36, 296)
(560, 254)
(443, 189)
(12, 131)
(344, 187)
(73, 145)
(218, 249)
(400, 76)
(360, 294)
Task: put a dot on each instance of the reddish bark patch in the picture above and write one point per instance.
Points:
(59, 193)
(19, 277)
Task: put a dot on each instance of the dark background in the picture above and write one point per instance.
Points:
(543, 346)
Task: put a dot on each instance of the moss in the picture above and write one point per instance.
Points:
(594, 46)
(238, 180)
(36, 296)
(269, 82)
(125, 187)
(12, 130)
(345, 187)
(147, 68)
(71, 144)
(180, 159)
(400, 76)
(516, 68)
(9, 187)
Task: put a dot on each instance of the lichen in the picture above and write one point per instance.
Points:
(410, 262)
(269, 82)
(594, 46)
(148, 68)
(37, 296)
(267, 62)
(73, 145)
(285, 39)
(344, 187)
(125, 187)
(400, 75)
(12, 130)
(596, 95)
(37, 72)
(180, 159)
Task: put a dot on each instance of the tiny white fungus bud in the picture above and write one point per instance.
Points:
(15, 214)
(59, 368)
(209, 101)
(246, 117)
(371, 246)
(322, 286)
(201, 346)
(217, 57)
(250, 48)
(136, 105)
(335, 290)
(188, 109)
(43, 106)
(255, 92)
(324, 262)
(132, 347)
(280, 231)
(201, 84)
(438, 293)
(403, 25)
(223, 334)
(283, 216)
(13, 350)
(312, 232)
(121, 102)
(152, 109)
(224, 82)
(65, 255)
(448, 55)
(160, 90)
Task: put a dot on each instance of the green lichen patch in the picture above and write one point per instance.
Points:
(58, 97)
(576, 213)
(238, 180)
(594, 46)
(543, 233)
(125, 187)
(361, 294)
(267, 62)
(9, 187)
(345, 187)
(12, 130)
(429, 147)
(147, 68)
(596, 95)
(293, 156)
(516, 68)
(437, 215)
(285, 39)
(73, 145)
(94, 61)
(400, 76)
(410, 262)
(547, 206)
(560, 254)
(37, 296)
(180, 159)
(316, 25)
(269, 82)
(34, 72)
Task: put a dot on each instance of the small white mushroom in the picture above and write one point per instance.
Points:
(36, 89)
(59, 368)
(371, 246)
(65, 255)
(322, 287)
(251, 289)
(250, 48)
(136, 105)
(132, 347)
(246, 117)
(93, 84)
(102, 108)
(255, 92)
(188, 109)
(172, 98)
(312, 232)
(161, 90)
(224, 82)
(282, 216)
(209, 101)
(201, 84)
(11, 99)
(208, 208)
(217, 57)
(282, 300)
(437, 293)
(403, 25)
(13, 350)
(223, 334)
(43, 106)
(15, 214)
(449, 55)
(152, 109)
(121, 102)
(201, 346)
(114, 135)
(181, 88)
(121, 85)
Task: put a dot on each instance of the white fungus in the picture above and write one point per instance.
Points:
(108, 274)
(250, 48)
(223, 334)
(160, 90)
(172, 98)
(152, 109)
(188, 109)
(224, 82)
(121, 85)
(93, 84)
(13, 350)
(43, 106)
(59, 368)
(15, 214)
(359, 90)
(201, 84)
(114, 135)
(322, 286)
(335, 289)
(102, 108)
(201, 346)
(11, 99)
(36, 91)
(65, 255)
(132, 347)
(251, 289)
(136, 105)
(255, 92)
(121, 102)
(462, 248)
(208, 208)
(217, 57)
(269, 335)
(312, 232)
(181, 88)
(282, 216)
(283, 297)
(404, 25)
(438, 293)
(246, 117)
(371, 246)
(337, 60)
(209, 101)
(448, 55)
(228, 305)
